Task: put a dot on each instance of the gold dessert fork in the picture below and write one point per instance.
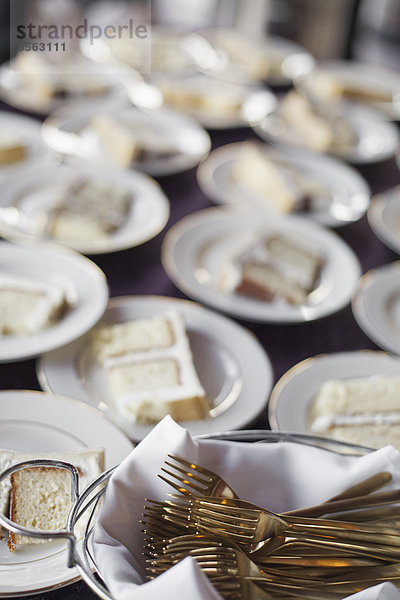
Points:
(190, 479)
(220, 559)
(262, 530)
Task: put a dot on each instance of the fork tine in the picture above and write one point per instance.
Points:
(199, 477)
(178, 488)
(189, 481)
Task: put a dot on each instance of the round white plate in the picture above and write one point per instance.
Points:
(68, 131)
(167, 51)
(367, 76)
(29, 131)
(15, 92)
(196, 249)
(384, 217)
(288, 60)
(38, 422)
(376, 306)
(231, 365)
(345, 198)
(377, 138)
(85, 285)
(291, 397)
(252, 102)
(24, 200)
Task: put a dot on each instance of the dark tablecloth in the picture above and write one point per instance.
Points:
(139, 271)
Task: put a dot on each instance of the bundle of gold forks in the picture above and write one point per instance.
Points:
(251, 553)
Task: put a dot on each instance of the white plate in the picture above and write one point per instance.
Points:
(384, 217)
(24, 200)
(83, 281)
(254, 102)
(291, 397)
(38, 422)
(30, 131)
(16, 93)
(367, 76)
(231, 364)
(290, 60)
(196, 249)
(346, 198)
(67, 131)
(377, 139)
(376, 306)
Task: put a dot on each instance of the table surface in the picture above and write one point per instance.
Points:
(139, 271)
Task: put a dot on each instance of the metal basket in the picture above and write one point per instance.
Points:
(80, 552)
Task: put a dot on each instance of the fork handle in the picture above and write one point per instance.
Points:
(347, 504)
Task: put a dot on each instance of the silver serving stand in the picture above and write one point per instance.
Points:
(80, 552)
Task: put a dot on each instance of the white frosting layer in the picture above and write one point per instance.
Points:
(324, 423)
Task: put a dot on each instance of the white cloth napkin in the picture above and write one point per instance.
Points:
(280, 476)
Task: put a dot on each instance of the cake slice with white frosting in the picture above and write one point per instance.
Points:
(29, 306)
(150, 370)
(363, 411)
(272, 267)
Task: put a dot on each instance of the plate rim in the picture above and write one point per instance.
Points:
(215, 159)
(353, 157)
(347, 66)
(303, 366)
(100, 246)
(379, 203)
(43, 109)
(171, 269)
(116, 301)
(88, 265)
(369, 278)
(56, 120)
(239, 119)
(77, 404)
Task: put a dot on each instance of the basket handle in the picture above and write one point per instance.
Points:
(64, 533)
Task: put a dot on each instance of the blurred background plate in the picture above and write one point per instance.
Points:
(376, 306)
(27, 200)
(69, 132)
(16, 93)
(26, 131)
(384, 217)
(377, 139)
(374, 83)
(85, 285)
(343, 194)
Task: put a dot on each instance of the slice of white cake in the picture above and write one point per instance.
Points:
(40, 497)
(252, 55)
(320, 128)
(29, 306)
(275, 181)
(364, 411)
(273, 267)
(213, 96)
(260, 175)
(332, 86)
(126, 142)
(88, 210)
(150, 369)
